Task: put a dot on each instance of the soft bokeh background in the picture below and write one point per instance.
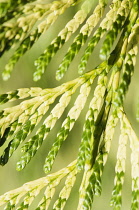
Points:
(22, 77)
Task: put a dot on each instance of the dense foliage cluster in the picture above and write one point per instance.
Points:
(21, 25)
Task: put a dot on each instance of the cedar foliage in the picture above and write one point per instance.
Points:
(22, 24)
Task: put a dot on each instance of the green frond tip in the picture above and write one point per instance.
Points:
(91, 182)
(84, 149)
(73, 50)
(116, 199)
(30, 148)
(61, 136)
(42, 62)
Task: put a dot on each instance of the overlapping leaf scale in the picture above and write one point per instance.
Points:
(112, 119)
(83, 186)
(94, 183)
(130, 58)
(61, 136)
(108, 136)
(70, 28)
(93, 187)
(85, 153)
(81, 38)
(91, 184)
(94, 163)
(116, 200)
(90, 120)
(105, 26)
(98, 170)
(134, 145)
(128, 69)
(84, 150)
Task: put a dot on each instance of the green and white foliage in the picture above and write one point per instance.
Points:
(116, 21)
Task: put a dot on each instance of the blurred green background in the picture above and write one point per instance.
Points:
(22, 77)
